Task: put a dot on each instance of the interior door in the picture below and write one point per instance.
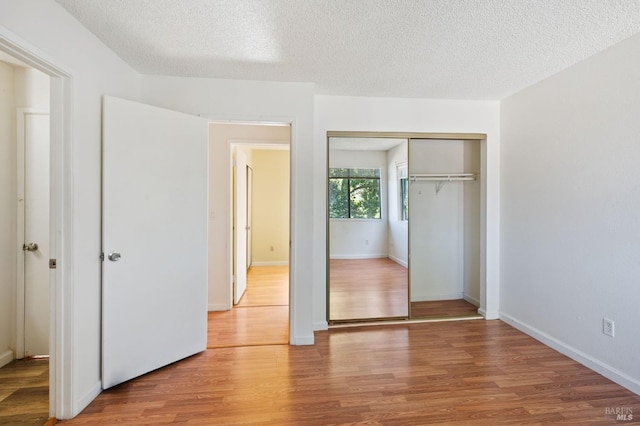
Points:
(240, 180)
(36, 233)
(154, 295)
(249, 216)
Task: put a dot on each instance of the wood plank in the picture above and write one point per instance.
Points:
(261, 317)
(459, 372)
(367, 289)
(24, 392)
(443, 309)
(266, 286)
(245, 326)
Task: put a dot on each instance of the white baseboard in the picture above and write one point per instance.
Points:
(433, 297)
(302, 340)
(86, 400)
(217, 307)
(6, 357)
(588, 361)
(320, 326)
(489, 315)
(399, 261)
(270, 263)
(472, 300)
(358, 256)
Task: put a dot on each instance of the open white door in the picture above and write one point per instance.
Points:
(240, 199)
(249, 217)
(154, 296)
(34, 143)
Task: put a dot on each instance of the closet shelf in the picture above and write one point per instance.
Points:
(442, 178)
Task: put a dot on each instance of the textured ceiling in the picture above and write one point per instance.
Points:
(447, 49)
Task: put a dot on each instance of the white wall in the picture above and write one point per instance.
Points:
(258, 101)
(398, 229)
(7, 212)
(570, 202)
(42, 26)
(403, 115)
(270, 207)
(360, 238)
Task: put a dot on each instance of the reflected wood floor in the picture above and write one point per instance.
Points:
(24, 392)
(261, 317)
(445, 373)
(378, 288)
(367, 288)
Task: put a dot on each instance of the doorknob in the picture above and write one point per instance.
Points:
(30, 247)
(114, 256)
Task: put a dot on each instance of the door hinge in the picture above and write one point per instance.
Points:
(52, 263)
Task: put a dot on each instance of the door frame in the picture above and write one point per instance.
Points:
(61, 220)
(21, 113)
(227, 183)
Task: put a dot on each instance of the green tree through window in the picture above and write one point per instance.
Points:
(354, 193)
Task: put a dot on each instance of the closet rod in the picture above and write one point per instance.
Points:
(443, 176)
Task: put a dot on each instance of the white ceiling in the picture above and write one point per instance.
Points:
(441, 49)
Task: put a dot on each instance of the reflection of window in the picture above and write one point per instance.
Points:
(354, 193)
(403, 199)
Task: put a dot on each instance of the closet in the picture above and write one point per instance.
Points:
(444, 226)
(421, 256)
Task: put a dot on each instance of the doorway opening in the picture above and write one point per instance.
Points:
(24, 196)
(33, 105)
(255, 305)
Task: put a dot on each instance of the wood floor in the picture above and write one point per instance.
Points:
(261, 317)
(24, 393)
(367, 289)
(443, 309)
(445, 373)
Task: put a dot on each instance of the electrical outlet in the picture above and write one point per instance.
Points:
(608, 327)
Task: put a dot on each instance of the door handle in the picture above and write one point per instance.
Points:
(114, 256)
(30, 247)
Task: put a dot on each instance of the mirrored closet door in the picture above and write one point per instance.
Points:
(404, 226)
(367, 243)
